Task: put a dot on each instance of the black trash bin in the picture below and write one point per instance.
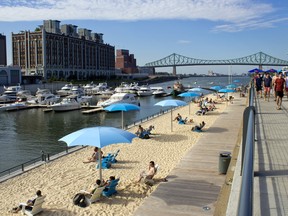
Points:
(224, 161)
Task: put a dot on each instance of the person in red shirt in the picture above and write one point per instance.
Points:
(279, 89)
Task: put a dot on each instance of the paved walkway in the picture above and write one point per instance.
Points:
(271, 159)
(194, 184)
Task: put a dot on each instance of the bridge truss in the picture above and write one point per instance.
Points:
(259, 58)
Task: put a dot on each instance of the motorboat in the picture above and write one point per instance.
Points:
(158, 91)
(10, 94)
(144, 91)
(127, 88)
(99, 88)
(119, 98)
(67, 104)
(14, 106)
(65, 90)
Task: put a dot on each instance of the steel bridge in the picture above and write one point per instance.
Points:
(260, 59)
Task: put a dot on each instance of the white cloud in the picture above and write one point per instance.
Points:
(183, 42)
(235, 13)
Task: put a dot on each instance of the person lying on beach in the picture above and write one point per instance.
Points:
(29, 203)
(149, 174)
(199, 128)
(94, 156)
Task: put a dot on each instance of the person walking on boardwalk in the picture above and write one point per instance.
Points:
(267, 86)
(273, 85)
(258, 84)
(279, 89)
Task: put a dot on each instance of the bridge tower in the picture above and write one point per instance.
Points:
(174, 70)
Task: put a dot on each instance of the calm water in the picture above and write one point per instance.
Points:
(24, 134)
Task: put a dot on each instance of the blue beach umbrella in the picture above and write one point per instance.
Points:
(271, 71)
(189, 94)
(226, 90)
(231, 86)
(217, 88)
(121, 107)
(173, 103)
(195, 90)
(98, 137)
(255, 70)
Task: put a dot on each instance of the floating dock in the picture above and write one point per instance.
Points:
(89, 111)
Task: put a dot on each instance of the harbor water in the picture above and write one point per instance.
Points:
(25, 134)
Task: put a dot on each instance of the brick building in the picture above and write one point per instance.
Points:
(62, 52)
(125, 62)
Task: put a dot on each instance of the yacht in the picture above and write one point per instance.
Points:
(127, 88)
(67, 104)
(99, 88)
(44, 97)
(18, 105)
(144, 91)
(119, 98)
(65, 90)
(10, 94)
(158, 91)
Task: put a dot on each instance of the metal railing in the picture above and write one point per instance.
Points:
(245, 205)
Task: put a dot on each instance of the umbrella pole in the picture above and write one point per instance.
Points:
(100, 164)
(122, 121)
(171, 120)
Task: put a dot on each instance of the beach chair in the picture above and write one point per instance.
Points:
(36, 208)
(111, 189)
(92, 198)
(183, 121)
(112, 156)
(150, 181)
(105, 163)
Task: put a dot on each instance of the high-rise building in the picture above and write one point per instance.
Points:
(62, 52)
(3, 55)
(126, 62)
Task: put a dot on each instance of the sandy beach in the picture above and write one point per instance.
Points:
(61, 179)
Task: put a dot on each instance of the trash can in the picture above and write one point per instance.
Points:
(224, 161)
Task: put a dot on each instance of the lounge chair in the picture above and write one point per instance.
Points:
(182, 121)
(111, 189)
(105, 163)
(36, 208)
(112, 156)
(93, 197)
(150, 181)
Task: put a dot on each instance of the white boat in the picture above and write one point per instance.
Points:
(99, 88)
(127, 88)
(10, 94)
(65, 90)
(158, 91)
(119, 98)
(67, 104)
(14, 106)
(144, 91)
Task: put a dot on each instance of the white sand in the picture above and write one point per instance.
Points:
(61, 179)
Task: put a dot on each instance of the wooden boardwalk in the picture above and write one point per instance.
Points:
(194, 184)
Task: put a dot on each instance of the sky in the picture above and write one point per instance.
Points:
(154, 29)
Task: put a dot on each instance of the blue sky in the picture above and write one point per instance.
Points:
(154, 29)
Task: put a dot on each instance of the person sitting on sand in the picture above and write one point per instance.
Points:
(178, 117)
(199, 128)
(94, 156)
(150, 172)
(140, 131)
(29, 203)
(93, 188)
(107, 183)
